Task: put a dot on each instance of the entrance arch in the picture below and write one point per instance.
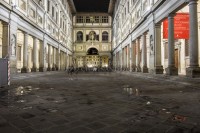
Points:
(92, 51)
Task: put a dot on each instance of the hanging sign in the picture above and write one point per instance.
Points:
(181, 26)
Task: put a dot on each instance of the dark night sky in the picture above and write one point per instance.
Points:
(92, 5)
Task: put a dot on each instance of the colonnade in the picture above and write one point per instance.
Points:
(146, 47)
(44, 56)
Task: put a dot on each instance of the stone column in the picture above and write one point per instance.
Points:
(144, 54)
(5, 41)
(156, 42)
(171, 69)
(54, 59)
(130, 56)
(25, 54)
(193, 70)
(114, 62)
(43, 53)
(35, 54)
(58, 59)
(49, 58)
(138, 69)
(100, 36)
(65, 61)
(121, 58)
(133, 65)
(84, 36)
(127, 56)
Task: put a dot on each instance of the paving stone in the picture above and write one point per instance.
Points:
(110, 121)
(28, 130)
(42, 126)
(60, 122)
(20, 123)
(7, 128)
(96, 125)
(59, 129)
(80, 130)
(96, 102)
(161, 128)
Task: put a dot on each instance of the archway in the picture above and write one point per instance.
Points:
(92, 51)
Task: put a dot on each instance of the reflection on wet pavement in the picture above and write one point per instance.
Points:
(131, 91)
(100, 103)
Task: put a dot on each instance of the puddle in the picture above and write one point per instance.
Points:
(10, 97)
(36, 88)
(148, 103)
(19, 91)
(179, 118)
(21, 101)
(52, 110)
(27, 115)
(130, 91)
(25, 108)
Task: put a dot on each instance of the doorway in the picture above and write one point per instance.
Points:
(177, 58)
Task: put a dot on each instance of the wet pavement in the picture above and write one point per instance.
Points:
(54, 102)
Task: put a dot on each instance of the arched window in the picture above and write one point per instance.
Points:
(105, 36)
(79, 36)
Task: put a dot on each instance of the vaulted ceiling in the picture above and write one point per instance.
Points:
(92, 6)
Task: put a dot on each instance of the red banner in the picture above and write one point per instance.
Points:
(181, 26)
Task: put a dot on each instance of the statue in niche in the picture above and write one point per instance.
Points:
(151, 45)
(13, 45)
(92, 35)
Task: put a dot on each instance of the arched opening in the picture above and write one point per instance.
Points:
(92, 51)
(79, 36)
(105, 36)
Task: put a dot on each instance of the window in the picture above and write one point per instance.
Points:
(19, 49)
(22, 5)
(60, 22)
(40, 2)
(145, 4)
(48, 5)
(32, 13)
(105, 36)
(79, 19)
(96, 18)
(79, 36)
(104, 19)
(87, 19)
(57, 17)
(138, 13)
(52, 11)
(39, 19)
(128, 7)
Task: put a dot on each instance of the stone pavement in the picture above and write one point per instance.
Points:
(54, 102)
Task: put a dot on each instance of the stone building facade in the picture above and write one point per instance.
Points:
(36, 35)
(139, 35)
(138, 39)
(92, 39)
